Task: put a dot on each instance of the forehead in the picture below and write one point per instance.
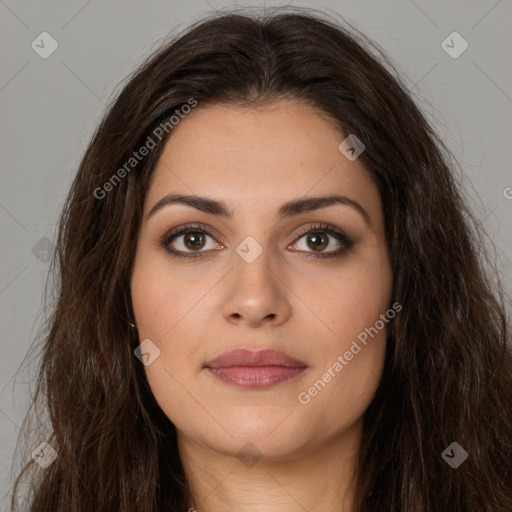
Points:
(243, 155)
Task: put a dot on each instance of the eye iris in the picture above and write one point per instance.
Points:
(317, 240)
(196, 239)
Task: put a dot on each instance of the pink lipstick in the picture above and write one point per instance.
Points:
(255, 369)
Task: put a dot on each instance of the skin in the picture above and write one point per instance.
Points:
(310, 308)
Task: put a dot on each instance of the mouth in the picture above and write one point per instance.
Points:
(255, 369)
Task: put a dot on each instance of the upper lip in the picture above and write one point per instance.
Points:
(246, 357)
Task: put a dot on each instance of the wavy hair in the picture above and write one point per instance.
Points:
(448, 369)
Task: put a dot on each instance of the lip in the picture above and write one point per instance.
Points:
(255, 369)
(246, 357)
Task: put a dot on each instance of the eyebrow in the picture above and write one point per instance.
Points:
(289, 209)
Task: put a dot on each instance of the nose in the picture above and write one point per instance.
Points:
(256, 292)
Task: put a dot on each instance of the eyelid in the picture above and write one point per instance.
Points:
(346, 241)
(318, 226)
(333, 231)
(197, 226)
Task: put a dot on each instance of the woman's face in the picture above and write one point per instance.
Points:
(258, 282)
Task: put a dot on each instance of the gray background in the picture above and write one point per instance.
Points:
(51, 106)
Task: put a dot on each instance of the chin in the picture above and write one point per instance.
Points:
(251, 435)
(254, 447)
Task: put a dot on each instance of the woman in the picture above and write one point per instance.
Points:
(272, 294)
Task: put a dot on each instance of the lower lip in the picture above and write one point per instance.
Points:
(256, 377)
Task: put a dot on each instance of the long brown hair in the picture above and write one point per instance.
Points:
(448, 370)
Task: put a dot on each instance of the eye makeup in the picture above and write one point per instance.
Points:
(346, 243)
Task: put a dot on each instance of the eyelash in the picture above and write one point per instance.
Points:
(339, 235)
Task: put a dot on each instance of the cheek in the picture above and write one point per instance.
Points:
(351, 298)
(353, 344)
(338, 395)
(341, 387)
(162, 297)
(167, 306)
(160, 305)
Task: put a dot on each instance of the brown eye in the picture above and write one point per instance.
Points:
(194, 240)
(189, 242)
(317, 240)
